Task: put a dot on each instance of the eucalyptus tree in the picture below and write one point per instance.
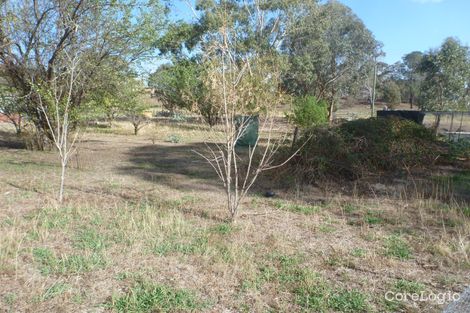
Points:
(260, 25)
(328, 48)
(413, 77)
(35, 36)
(446, 71)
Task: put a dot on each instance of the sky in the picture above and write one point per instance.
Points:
(404, 26)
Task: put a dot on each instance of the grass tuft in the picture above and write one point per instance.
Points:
(90, 239)
(407, 286)
(66, 264)
(54, 290)
(398, 248)
(297, 208)
(145, 297)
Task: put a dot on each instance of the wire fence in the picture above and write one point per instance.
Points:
(455, 125)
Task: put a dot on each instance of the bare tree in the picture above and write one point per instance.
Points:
(138, 121)
(55, 102)
(244, 86)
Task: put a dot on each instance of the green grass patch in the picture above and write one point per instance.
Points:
(223, 229)
(89, 238)
(195, 245)
(465, 211)
(297, 208)
(49, 263)
(358, 252)
(54, 218)
(320, 297)
(310, 292)
(350, 208)
(146, 297)
(397, 247)
(54, 290)
(373, 217)
(407, 286)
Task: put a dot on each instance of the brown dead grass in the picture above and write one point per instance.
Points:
(150, 201)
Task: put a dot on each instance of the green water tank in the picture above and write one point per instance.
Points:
(249, 126)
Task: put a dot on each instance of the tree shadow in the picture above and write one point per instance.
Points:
(10, 141)
(177, 166)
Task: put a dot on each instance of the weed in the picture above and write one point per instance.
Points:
(66, 264)
(327, 228)
(195, 245)
(350, 208)
(313, 298)
(54, 290)
(89, 238)
(297, 208)
(320, 297)
(407, 286)
(174, 138)
(145, 297)
(223, 229)
(373, 217)
(10, 298)
(54, 218)
(358, 252)
(397, 247)
(348, 301)
(465, 211)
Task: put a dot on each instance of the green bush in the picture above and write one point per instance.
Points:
(391, 93)
(309, 111)
(358, 147)
(460, 149)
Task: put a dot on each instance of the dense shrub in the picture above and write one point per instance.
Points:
(308, 111)
(364, 146)
(391, 93)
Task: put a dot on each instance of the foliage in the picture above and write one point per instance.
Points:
(403, 285)
(460, 149)
(327, 47)
(36, 38)
(176, 85)
(181, 86)
(391, 93)
(309, 111)
(11, 106)
(146, 297)
(446, 77)
(118, 93)
(356, 148)
(414, 79)
(49, 263)
(298, 208)
(398, 248)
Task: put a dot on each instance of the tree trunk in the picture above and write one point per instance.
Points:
(62, 180)
(294, 139)
(330, 112)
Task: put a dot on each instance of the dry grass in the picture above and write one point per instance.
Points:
(143, 226)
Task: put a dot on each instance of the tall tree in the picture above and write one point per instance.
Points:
(260, 26)
(446, 71)
(35, 35)
(328, 46)
(411, 63)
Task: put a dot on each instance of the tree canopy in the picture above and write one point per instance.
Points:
(446, 71)
(37, 37)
